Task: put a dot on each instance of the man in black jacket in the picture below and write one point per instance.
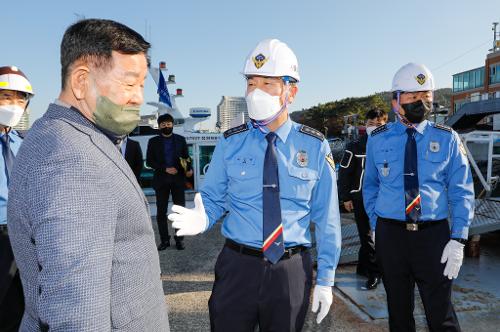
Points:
(168, 155)
(132, 152)
(350, 183)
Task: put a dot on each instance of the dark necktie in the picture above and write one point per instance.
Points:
(273, 246)
(412, 193)
(8, 155)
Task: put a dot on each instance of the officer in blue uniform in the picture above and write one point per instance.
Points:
(416, 178)
(15, 93)
(351, 173)
(274, 177)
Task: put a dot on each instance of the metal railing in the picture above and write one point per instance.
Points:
(483, 137)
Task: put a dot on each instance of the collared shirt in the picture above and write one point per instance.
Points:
(308, 191)
(15, 143)
(123, 146)
(444, 176)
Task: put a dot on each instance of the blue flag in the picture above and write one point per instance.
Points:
(163, 91)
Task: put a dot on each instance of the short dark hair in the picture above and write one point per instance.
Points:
(94, 40)
(165, 118)
(375, 113)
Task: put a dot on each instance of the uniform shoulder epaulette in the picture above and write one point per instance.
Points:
(311, 132)
(235, 130)
(443, 127)
(379, 129)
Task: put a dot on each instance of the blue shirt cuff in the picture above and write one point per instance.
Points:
(325, 277)
(460, 232)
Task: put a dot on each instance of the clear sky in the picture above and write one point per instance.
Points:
(345, 48)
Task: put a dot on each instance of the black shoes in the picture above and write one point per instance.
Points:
(179, 245)
(362, 272)
(372, 283)
(163, 246)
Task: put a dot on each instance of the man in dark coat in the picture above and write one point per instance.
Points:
(131, 151)
(350, 183)
(168, 155)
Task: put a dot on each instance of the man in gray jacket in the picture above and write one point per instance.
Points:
(78, 221)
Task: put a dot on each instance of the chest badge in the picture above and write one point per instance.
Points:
(434, 146)
(302, 158)
(385, 170)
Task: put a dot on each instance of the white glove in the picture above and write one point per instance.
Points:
(453, 255)
(189, 221)
(323, 295)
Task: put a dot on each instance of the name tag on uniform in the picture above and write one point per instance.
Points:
(434, 146)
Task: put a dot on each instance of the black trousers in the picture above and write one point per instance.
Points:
(367, 260)
(249, 292)
(407, 258)
(11, 290)
(162, 196)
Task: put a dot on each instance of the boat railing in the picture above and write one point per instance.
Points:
(489, 138)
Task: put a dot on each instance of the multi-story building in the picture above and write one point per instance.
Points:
(229, 110)
(24, 123)
(476, 92)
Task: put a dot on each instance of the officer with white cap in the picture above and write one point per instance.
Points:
(417, 176)
(275, 177)
(15, 93)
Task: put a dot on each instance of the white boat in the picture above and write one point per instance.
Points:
(201, 144)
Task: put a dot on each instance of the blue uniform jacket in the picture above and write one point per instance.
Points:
(308, 190)
(444, 176)
(15, 143)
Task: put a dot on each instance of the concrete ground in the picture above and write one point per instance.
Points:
(188, 277)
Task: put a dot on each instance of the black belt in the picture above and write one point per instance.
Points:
(412, 226)
(289, 252)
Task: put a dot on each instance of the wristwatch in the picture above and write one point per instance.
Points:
(462, 241)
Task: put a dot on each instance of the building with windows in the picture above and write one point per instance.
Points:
(24, 123)
(231, 111)
(476, 92)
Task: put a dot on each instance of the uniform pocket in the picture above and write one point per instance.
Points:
(240, 172)
(245, 180)
(388, 165)
(302, 181)
(435, 167)
(434, 157)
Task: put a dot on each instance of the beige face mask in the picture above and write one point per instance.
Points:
(118, 120)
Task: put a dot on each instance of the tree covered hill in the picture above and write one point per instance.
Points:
(329, 117)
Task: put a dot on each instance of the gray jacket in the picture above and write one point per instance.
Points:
(81, 232)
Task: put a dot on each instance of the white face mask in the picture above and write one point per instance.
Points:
(10, 115)
(261, 105)
(370, 129)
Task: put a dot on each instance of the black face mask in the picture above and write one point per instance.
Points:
(167, 130)
(417, 111)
